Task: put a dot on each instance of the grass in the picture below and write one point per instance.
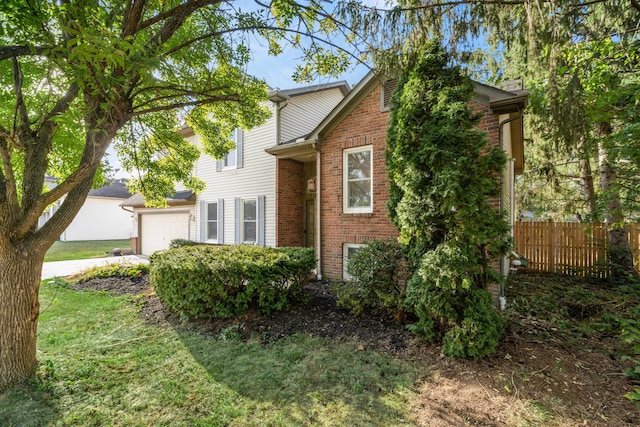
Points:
(63, 251)
(100, 364)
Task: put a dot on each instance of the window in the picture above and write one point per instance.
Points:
(229, 160)
(358, 181)
(233, 159)
(348, 249)
(212, 221)
(249, 220)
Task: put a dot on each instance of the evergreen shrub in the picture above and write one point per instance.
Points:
(224, 281)
(378, 281)
(442, 170)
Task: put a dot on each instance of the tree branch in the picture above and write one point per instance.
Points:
(477, 2)
(11, 195)
(635, 4)
(30, 217)
(7, 52)
(61, 106)
(233, 97)
(264, 27)
(132, 15)
(21, 116)
(183, 9)
(180, 92)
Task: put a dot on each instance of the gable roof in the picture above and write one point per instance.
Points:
(115, 190)
(184, 197)
(499, 100)
(342, 85)
(277, 95)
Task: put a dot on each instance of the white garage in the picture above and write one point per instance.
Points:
(157, 230)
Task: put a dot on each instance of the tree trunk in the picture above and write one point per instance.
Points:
(587, 180)
(620, 256)
(19, 310)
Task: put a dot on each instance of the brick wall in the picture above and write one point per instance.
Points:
(289, 203)
(365, 125)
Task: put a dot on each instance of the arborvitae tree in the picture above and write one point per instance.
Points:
(442, 172)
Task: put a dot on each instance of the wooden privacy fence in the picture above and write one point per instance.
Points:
(568, 247)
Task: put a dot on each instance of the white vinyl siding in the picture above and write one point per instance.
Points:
(358, 180)
(303, 112)
(256, 177)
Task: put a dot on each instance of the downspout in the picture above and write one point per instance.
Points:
(318, 212)
(502, 298)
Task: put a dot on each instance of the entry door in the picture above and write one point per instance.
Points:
(310, 223)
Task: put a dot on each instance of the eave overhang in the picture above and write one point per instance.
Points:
(302, 150)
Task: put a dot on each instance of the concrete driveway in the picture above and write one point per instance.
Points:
(66, 268)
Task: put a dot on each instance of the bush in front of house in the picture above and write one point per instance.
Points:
(224, 281)
(378, 276)
(178, 243)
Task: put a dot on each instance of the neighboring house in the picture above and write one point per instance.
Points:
(240, 201)
(49, 182)
(350, 189)
(101, 217)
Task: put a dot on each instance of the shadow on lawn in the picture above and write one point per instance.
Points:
(27, 406)
(317, 381)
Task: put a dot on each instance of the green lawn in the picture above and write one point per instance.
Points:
(101, 365)
(63, 251)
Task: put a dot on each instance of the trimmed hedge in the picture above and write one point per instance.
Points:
(224, 281)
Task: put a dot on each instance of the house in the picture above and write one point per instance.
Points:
(313, 175)
(101, 217)
(49, 183)
(240, 201)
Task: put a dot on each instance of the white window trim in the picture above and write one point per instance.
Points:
(345, 180)
(345, 257)
(242, 220)
(234, 136)
(207, 221)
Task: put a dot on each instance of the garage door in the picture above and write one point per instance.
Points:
(158, 230)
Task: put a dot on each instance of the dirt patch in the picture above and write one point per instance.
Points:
(537, 377)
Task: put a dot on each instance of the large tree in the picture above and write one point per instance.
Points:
(77, 74)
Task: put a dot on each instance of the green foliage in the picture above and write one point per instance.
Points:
(223, 281)
(442, 171)
(379, 276)
(178, 243)
(114, 270)
(567, 112)
(630, 335)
